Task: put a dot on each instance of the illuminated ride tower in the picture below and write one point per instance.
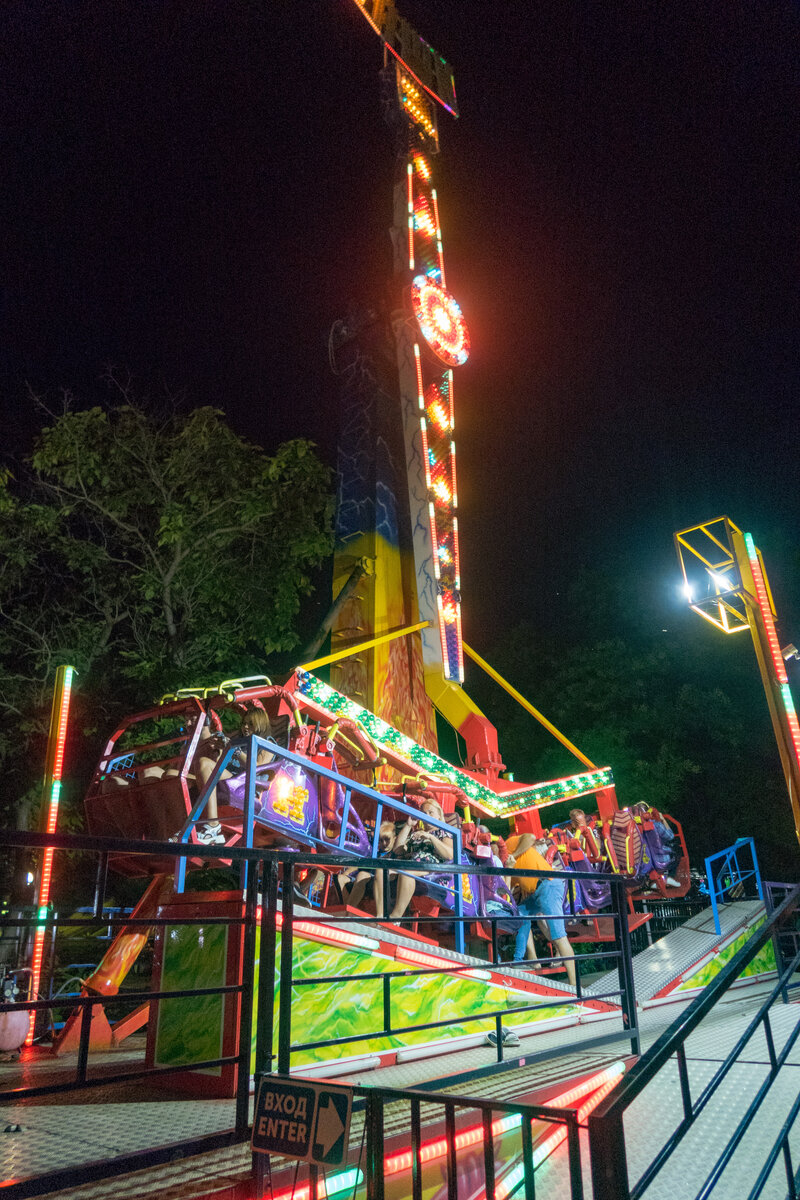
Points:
(725, 583)
(397, 552)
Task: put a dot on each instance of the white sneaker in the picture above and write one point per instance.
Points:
(210, 834)
(670, 882)
(509, 1038)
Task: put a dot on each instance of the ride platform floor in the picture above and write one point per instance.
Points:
(110, 1121)
(669, 958)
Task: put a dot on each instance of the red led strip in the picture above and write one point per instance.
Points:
(52, 784)
(420, 387)
(410, 218)
(439, 249)
(774, 646)
(394, 1164)
(769, 624)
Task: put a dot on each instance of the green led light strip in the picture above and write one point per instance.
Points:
(496, 805)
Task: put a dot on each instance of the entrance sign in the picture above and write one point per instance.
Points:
(306, 1121)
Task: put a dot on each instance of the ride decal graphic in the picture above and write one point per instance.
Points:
(328, 1011)
(761, 964)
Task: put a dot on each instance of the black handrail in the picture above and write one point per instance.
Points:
(377, 1097)
(606, 1133)
(268, 867)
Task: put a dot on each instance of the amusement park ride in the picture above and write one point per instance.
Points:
(397, 646)
(344, 758)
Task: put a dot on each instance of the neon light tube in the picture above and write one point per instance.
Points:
(410, 217)
(559, 1135)
(59, 717)
(331, 1186)
(774, 645)
(312, 929)
(438, 235)
(395, 1163)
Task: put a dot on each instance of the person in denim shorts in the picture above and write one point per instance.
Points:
(540, 899)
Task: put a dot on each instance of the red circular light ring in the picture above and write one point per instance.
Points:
(440, 321)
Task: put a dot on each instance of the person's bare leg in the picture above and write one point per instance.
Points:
(344, 881)
(358, 888)
(405, 890)
(377, 891)
(566, 952)
(205, 769)
(530, 951)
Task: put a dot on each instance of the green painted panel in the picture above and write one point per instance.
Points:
(335, 1010)
(764, 961)
(190, 1030)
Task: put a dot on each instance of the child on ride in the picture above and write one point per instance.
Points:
(254, 721)
(427, 846)
(353, 883)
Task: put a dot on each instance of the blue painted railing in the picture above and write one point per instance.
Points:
(251, 746)
(725, 872)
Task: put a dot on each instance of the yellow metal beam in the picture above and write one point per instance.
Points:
(350, 650)
(512, 691)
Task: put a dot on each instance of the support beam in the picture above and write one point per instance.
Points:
(520, 699)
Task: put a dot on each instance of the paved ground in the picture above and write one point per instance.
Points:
(119, 1119)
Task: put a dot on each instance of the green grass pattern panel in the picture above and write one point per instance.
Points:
(764, 961)
(190, 1030)
(334, 1010)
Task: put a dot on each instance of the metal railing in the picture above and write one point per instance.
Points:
(258, 777)
(267, 911)
(606, 1130)
(376, 1160)
(620, 955)
(727, 876)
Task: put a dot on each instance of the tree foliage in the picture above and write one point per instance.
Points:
(151, 551)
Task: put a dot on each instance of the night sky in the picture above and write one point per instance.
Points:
(194, 191)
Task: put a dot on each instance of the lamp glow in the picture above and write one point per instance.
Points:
(440, 321)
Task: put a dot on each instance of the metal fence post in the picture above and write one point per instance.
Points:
(622, 944)
(527, 1158)
(574, 1152)
(246, 1004)
(458, 881)
(287, 970)
(373, 1119)
(101, 879)
(265, 1020)
(452, 1156)
(488, 1154)
(609, 1160)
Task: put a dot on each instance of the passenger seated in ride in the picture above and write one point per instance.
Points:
(539, 896)
(578, 824)
(426, 846)
(668, 841)
(353, 883)
(254, 721)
